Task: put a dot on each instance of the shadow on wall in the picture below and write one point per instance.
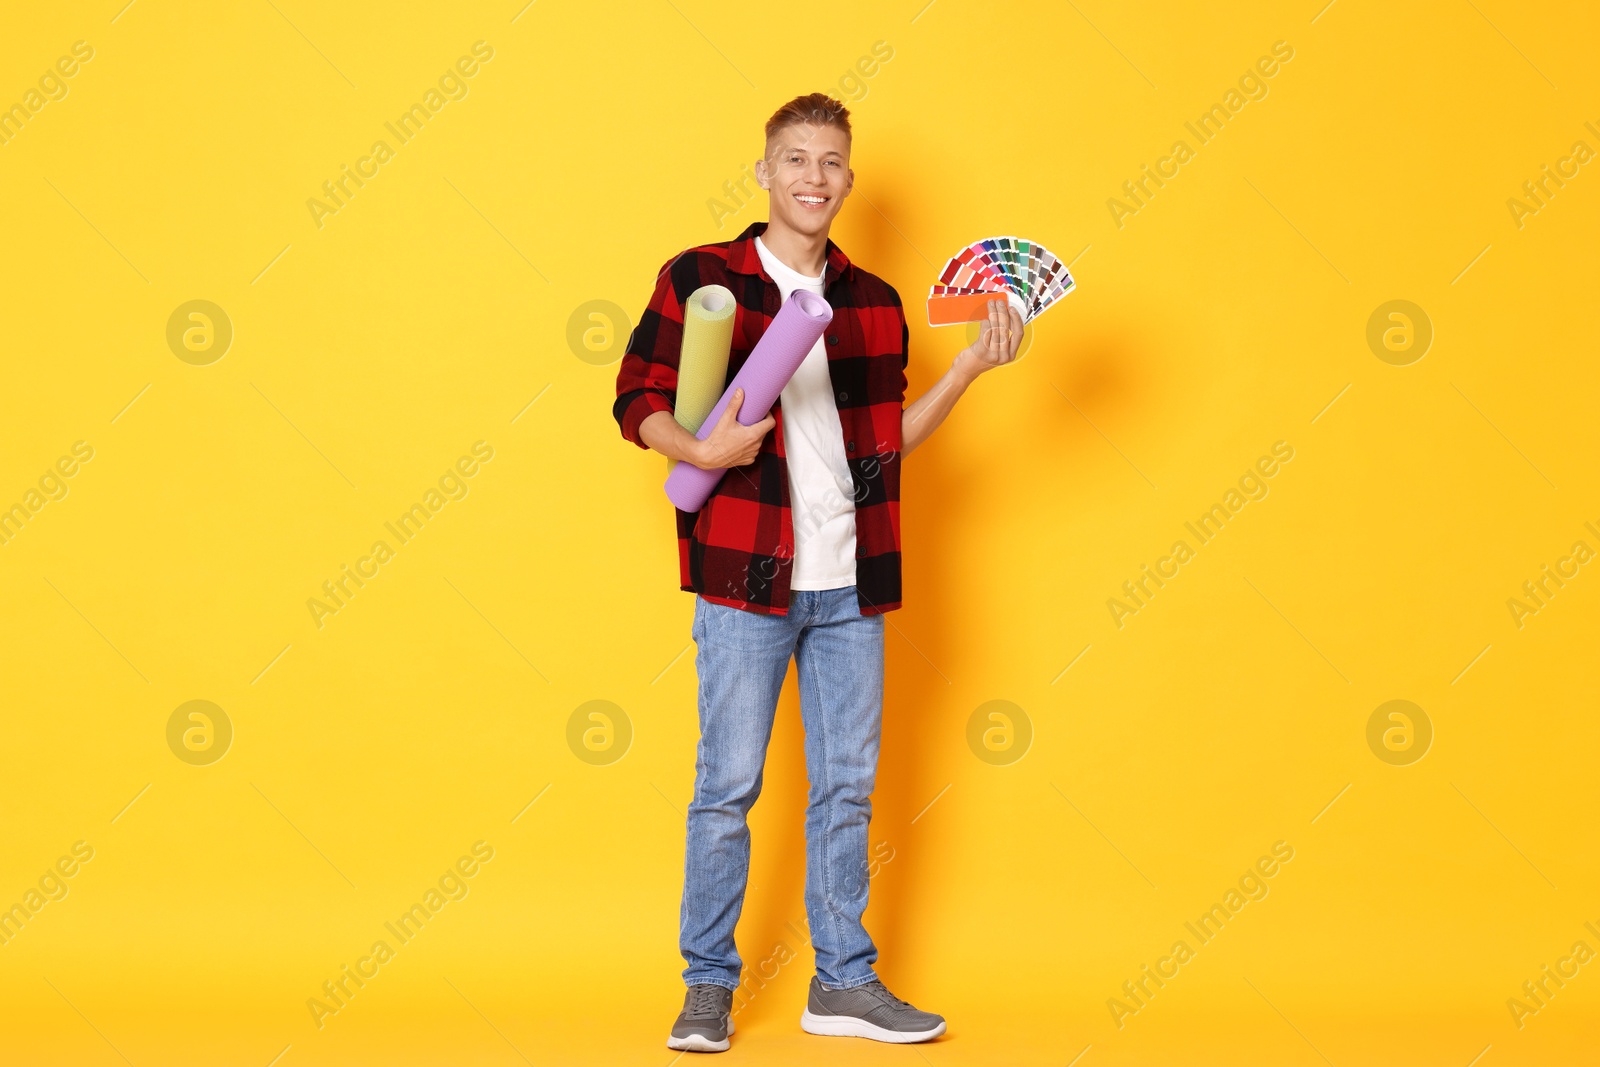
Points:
(924, 726)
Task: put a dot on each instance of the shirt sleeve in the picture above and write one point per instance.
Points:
(647, 380)
(905, 342)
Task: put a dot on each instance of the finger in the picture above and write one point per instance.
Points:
(733, 405)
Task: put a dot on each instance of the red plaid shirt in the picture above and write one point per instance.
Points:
(739, 549)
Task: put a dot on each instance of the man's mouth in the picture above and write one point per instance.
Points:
(811, 201)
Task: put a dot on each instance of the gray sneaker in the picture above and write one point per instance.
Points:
(868, 1010)
(706, 1020)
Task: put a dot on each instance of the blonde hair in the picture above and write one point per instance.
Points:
(815, 109)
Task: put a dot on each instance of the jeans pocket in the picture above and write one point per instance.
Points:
(737, 630)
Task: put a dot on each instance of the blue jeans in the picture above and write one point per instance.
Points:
(741, 658)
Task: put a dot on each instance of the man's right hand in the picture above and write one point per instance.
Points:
(730, 443)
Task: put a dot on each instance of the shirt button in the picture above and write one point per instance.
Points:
(850, 446)
(834, 339)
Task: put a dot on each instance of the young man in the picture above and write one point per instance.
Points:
(797, 553)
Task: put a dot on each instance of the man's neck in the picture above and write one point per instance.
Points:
(799, 252)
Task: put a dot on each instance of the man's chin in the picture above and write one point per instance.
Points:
(810, 225)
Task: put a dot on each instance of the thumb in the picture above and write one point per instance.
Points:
(733, 405)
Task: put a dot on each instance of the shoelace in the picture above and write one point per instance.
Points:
(704, 1002)
(882, 992)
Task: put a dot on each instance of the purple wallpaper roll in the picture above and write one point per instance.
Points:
(766, 371)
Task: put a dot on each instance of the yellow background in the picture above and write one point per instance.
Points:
(433, 308)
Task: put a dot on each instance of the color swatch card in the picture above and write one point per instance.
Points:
(1024, 272)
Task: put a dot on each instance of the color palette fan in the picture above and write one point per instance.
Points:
(1025, 272)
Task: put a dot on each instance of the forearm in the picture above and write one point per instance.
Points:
(928, 411)
(661, 432)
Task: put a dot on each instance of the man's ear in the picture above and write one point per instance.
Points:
(849, 180)
(761, 173)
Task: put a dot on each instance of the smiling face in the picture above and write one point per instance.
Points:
(807, 176)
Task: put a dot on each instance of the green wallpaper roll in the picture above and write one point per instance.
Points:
(703, 359)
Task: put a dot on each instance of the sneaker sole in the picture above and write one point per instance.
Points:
(699, 1042)
(848, 1026)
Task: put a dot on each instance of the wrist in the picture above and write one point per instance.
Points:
(967, 366)
(695, 453)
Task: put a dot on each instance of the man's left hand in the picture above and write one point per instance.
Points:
(999, 337)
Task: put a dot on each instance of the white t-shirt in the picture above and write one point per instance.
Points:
(821, 492)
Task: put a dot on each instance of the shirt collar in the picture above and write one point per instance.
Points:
(744, 259)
